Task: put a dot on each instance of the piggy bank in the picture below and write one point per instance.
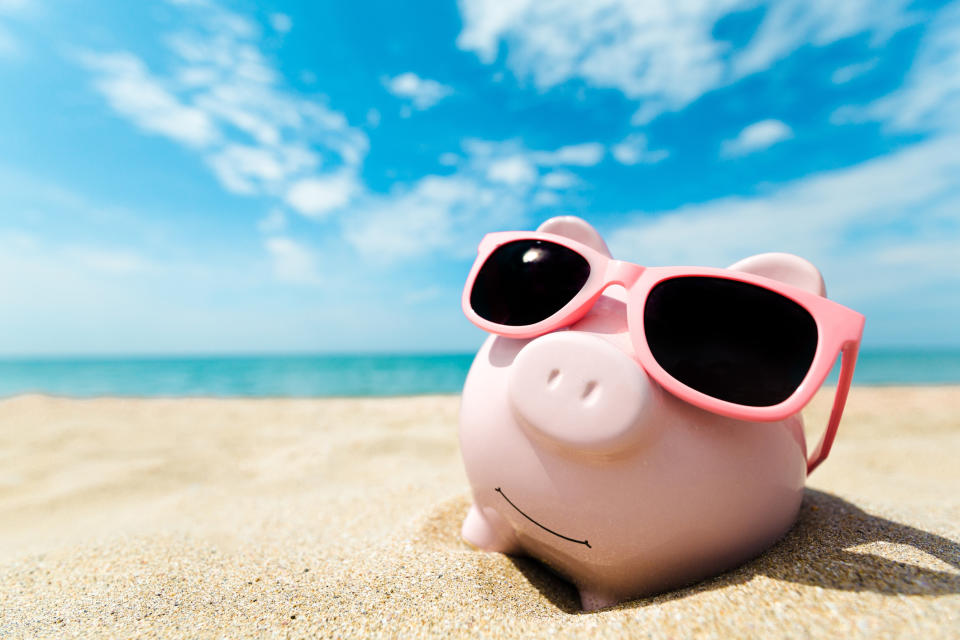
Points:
(578, 457)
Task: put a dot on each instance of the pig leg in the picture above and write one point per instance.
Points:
(486, 530)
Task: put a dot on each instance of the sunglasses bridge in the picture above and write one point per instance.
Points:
(622, 273)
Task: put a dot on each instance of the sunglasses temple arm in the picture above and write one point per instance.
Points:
(847, 363)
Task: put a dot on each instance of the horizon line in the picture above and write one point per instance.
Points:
(171, 355)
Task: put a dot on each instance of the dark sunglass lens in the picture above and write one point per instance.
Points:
(526, 281)
(730, 340)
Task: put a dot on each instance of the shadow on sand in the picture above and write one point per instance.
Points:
(815, 552)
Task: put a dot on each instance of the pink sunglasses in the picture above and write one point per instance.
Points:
(733, 343)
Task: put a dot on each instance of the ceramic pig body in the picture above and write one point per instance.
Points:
(576, 457)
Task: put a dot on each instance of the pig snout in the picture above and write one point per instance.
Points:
(583, 393)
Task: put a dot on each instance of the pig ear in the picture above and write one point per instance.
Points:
(784, 267)
(576, 229)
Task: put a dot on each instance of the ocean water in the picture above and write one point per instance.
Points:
(347, 375)
(248, 376)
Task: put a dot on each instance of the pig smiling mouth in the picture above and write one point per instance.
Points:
(510, 502)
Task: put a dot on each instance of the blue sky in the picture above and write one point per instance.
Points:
(199, 176)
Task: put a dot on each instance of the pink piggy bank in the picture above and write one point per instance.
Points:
(579, 456)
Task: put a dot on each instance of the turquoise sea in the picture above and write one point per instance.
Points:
(346, 375)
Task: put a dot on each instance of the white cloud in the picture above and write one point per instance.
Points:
(419, 220)
(448, 159)
(317, 197)
(485, 22)
(221, 96)
(281, 22)
(274, 222)
(634, 149)
(423, 93)
(546, 198)
(580, 155)
(560, 179)
(233, 108)
(848, 114)
(790, 24)
(10, 46)
(902, 209)
(496, 184)
(133, 92)
(849, 72)
(661, 53)
(249, 170)
(512, 170)
(583, 155)
(437, 215)
(292, 262)
(929, 98)
(756, 137)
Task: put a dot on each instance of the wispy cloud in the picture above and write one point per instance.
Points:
(496, 185)
(219, 85)
(133, 92)
(929, 99)
(292, 261)
(251, 169)
(662, 54)
(512, 170)
(448, 159)
(634, 149)
(849, 72)
(317, 197)
(876, 229)
(756, 137)
(790, 24)
(7, 6)
(560, 179)
(10, 45)
(222, 97)
(281, 22)
(422, 93)
(586, 154)
(274, 222)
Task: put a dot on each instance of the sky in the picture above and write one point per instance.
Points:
(201, 176)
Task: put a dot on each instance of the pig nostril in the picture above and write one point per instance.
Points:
(590, 392)
(553, 379)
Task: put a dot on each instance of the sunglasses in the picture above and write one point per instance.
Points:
(733, 343)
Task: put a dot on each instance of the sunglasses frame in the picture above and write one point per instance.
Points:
(839, 329)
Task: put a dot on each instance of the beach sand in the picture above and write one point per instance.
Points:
(340, 518)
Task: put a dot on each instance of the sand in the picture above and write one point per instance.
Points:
(340, 518)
